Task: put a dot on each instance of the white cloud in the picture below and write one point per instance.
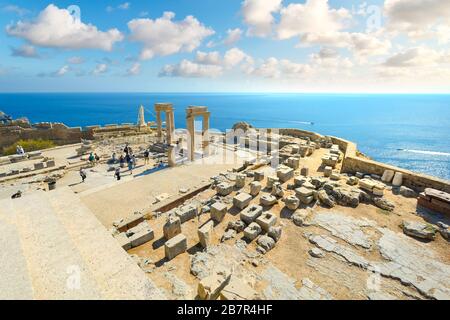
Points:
(165, 37)
(258, 15)
(57, 28)
(313, 17)
(234, 57)
(62, 71)
(134, 70)
(76, 60)
(233, 36)
(417, 57)
(189, 69)
(25, 51)
(275, 68)
(419, 19)
(212, 58)
(100, 68)
(16, 9)
(124, 6)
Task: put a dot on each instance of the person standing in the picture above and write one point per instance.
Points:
(147, 157)
(117, 173)
(82, 175)
(130, 165)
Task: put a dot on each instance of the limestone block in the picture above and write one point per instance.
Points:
(129, 222)
(205, 234)
(187, 213)
(224, 189)
(218, 211)
(237, 289)
(275, 233)
(335, 176)
(299, 181)
(209, 288)
(268, 200)
(367, 184)
(359, 175)
(172, 227)
(124, 241)
(266, 220)
(259, 176)
(293, 163)
(407, 192)
(378, 191)
(242, 200)
(388, 175)
(303, 192)
(285, 173)
(51, 164)
(240, 180)
(292, 202)
(255, 188)
(271, 180)
(266, 243)
(305, 171)
(39, 166)
(419, 230)
(175, 246)
(251, 213)
(352, 181)
(327, 171)
(277, 190)
(140, 234)
(398, 179)
(252, 231)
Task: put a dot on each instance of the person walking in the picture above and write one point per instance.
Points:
(97, 158)
(130, 165)
(92, 159)
(122, 161)
(82, 175)
(147, 156)
(117, 173)
(134, 160)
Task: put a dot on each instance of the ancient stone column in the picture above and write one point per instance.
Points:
(159, 124)
(205, 134)
(169, 126)
(191, 137)
(171, 156)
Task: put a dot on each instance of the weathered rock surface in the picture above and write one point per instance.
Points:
(419, 230)
(267, 243)
(325, 199)
(384, 203)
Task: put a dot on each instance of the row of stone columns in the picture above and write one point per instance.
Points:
(191, 114)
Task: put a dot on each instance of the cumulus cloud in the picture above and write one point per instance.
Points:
(189, 69)
(233, 36)
(163, 36)
(100, 68)
(25, 51)
(419, 19)
(134, 70)
(275, 68)
(76, 60)
(58, 73)
(417, 57)
(208, 64)
(313, 17)
(57, 28)
(258, 16)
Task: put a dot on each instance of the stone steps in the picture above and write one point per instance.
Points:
(65, 253)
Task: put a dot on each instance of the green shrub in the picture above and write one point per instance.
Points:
(28, 146)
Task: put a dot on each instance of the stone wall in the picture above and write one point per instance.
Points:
(353, 163)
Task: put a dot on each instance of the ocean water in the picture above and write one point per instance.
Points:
(409, 131)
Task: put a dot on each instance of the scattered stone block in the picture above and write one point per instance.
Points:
(140, 234)
(377, 191)
(268, 200)
(228, 235)
(129, 222)
(335, 176)
(293, 163)
(328, 171)
(292, 203)
(299, 181)
(285, 173)
(352, 181)
(419, 230)
(209, 288)
(175, 246)
(266, 220)
(2, 174)
(237, 226)
(316, 253)
(266, 243)
(39, 166)
(242, 200)
(303, 192)
(187, 213)
(218, 211)
(51, 163)
(277, 190)
(383, 203)
(124, 241)
(255, 188)
(325, 199)
(237, 289)
(250, 214)
(398, 179)
(275, 233)
(259, 176)
(407, 192)
(435, 200)
(172, 227)
(252, 231)
(367, 184)
(305, 171)
(224, 189)
(270, 181)
(240, 181)
(205, 234)
(359, 175)
(388, 175)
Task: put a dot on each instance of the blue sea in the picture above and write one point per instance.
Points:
(409, 131)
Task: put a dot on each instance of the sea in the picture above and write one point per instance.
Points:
(409, 131)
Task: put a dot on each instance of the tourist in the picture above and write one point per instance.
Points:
(114, 158)
(125, 150)
(92, 158)
(19, 150)
(117, 173)
(147, 156)
(82, 174)
(17, 195)
(134, 160)
(122, 161)
(97, 158)
(130, 165)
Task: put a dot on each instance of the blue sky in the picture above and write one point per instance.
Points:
(225, 46)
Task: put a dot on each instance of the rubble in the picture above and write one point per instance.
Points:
(383, 203)
(266, 243)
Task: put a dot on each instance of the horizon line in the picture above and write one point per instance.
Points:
(228, 92)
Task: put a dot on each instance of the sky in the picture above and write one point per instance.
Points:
(333, 46)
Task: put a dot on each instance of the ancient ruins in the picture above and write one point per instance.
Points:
(258, 213)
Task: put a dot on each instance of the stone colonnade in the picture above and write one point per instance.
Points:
(170, 121)
(191, 113)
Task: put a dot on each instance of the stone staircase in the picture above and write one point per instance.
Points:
(53, 247)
